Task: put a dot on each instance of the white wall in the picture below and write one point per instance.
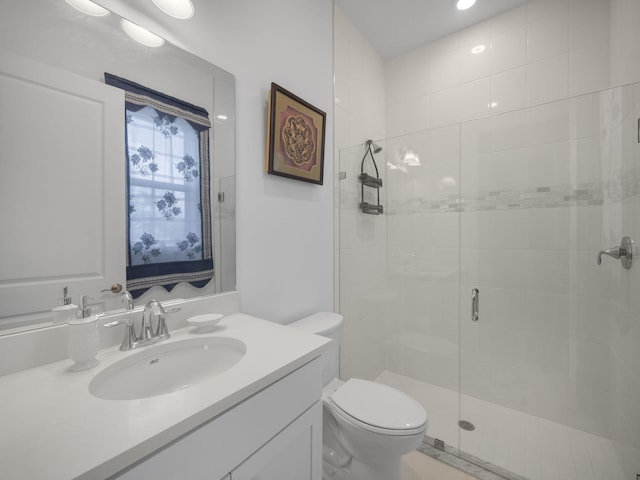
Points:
(284, 227)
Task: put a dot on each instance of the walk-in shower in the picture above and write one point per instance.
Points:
(519, 206)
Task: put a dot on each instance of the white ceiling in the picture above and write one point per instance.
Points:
(397, 26)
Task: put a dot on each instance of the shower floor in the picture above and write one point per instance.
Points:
(528, 446)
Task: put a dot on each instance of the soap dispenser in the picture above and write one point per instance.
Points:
(84, 338)
(65, 311)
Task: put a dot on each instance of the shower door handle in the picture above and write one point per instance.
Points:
(475, 305)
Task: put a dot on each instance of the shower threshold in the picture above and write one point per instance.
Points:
(465, 462)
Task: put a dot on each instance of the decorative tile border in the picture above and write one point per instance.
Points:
(624, 186)
(467, 463)
(585, 194)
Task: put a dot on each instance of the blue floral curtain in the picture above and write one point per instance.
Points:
(169, 218)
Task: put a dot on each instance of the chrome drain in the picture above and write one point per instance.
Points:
(466, 425)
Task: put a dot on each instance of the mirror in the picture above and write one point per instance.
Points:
(62, 178)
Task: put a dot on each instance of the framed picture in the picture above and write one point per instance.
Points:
(295, 137)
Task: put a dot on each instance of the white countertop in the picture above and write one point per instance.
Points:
(51, 427)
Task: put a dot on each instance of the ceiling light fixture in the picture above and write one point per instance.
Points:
(181, 9)
(88, 7)
(464, 4)
(478, 49)
(141, 35)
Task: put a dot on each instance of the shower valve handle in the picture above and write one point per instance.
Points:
(624, 253)
(614, 252)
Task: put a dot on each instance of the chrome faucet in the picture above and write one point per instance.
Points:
(152, 310)
(148, 335)
(127, 299)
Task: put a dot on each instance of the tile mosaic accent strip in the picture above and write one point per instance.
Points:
(465, 462)
(585, 194)
(621, 187)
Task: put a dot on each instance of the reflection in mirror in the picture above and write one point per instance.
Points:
(62, 163)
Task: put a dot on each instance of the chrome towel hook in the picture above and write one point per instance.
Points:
(624, 253)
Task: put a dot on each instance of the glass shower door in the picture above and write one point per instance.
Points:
(543, 189)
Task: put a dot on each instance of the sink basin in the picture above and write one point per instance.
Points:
(165, 368)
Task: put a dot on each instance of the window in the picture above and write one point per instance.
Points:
(169, 216)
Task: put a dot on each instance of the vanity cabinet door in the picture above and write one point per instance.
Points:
(280, 424)
(294, 454)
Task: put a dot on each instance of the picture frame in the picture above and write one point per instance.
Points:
(295, 137)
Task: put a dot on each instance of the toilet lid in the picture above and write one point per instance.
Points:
(379, 405)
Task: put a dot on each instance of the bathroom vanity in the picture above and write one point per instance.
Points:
(259, 419)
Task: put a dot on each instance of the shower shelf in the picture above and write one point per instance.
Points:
(370, 182)
(371, 209)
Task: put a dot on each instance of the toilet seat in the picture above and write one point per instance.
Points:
(378, 408)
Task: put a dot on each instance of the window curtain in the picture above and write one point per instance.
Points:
(168, 189)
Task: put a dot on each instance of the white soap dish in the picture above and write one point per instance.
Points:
(206, 322)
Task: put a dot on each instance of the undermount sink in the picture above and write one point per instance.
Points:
(165, 368)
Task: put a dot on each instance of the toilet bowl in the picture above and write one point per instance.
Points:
(367, 426)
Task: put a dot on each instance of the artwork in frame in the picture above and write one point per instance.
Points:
(295, 137)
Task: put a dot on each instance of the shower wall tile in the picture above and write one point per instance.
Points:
(474, 98)
(550, 164)
(549, 123)
(625, 333)
(445, 230)
(418, 83)
(361, 231)
(589, 69)
(395, 113)
(626, 390)
(509, 49)
(589, 162)
(508, 91)
(591, 320)
(549, 229)
(548, 35)
(590, 23)
(625, 37)
(360, 112)
(445, 69)
(416, 114)
(475, 58)
(445, 107)
(548, 79)
(359, 83)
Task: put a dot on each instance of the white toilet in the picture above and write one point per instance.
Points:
(367, 426)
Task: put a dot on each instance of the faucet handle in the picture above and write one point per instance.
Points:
(158, 311)
(129, 340)
(162, 332)
(614, 252)
(127, 299)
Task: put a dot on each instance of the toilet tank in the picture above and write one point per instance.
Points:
(326, 324)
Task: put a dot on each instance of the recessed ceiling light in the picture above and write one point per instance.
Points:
(221, 117)
(181, 9)
(478, 49)
(88, 7)
(141, 35)
(464, 4)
